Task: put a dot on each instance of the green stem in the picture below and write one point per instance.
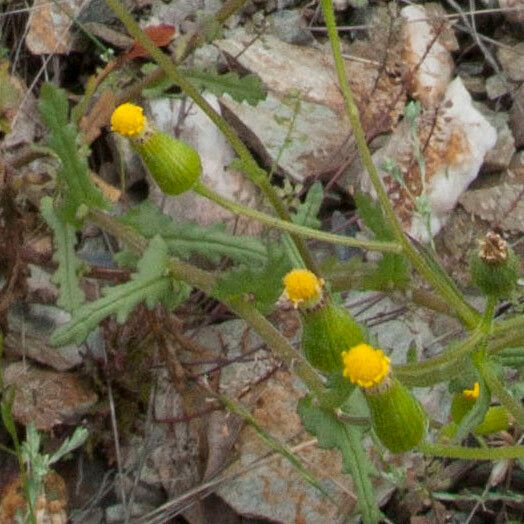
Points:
(239, 209)
(206, 282)
(257, 175)
(486, 323)
(505, 453)
(441, 367)
(499, 390)
(465, 312)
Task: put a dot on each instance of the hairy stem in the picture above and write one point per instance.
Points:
(290, 227)
(257, 175)
(437, 450)
(456, 301)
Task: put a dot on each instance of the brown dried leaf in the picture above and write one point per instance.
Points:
(160, 34)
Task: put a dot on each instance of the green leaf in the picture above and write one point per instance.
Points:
(187, 239)
(392, 270)
(65, 142)
(307, 212)
(261, 286)
(247, 88)
(66, 276)
(70, 444)
(332, 433)
(306, 215)
(371, 213)
(150, 284)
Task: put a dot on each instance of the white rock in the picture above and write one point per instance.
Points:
(457, 141)
(426, 56)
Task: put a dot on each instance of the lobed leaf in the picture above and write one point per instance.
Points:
(65, 142)
(71, 295)
(262, 286)
(186, 239)
(333, 433)
(150, 284)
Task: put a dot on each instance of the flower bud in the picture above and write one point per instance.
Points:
(495, 267)
(397, 417)
(496, 417)
(327, 328)
(174, 165)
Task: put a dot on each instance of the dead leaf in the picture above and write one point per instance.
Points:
(160, 34)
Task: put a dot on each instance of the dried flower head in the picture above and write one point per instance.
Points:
(493, 249)
(365, 365)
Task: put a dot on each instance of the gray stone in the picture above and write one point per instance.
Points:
(291, 27)
(512, 61)
(499, 157)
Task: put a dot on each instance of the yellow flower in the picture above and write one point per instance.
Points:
(365, 365)
(128, 120)
(472, 394)
(303, 286)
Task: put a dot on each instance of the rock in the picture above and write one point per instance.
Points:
(321, 138)
(291, 27)
(498, 157)
(49, 27)
(315, 142)
(497, 85)
(216, 154)
(30, 327)
(457, 137)
(516, 117)
(257, 490)
(428, 58)
(499, 200)
(513, 11)
(512, 61)
(47, 398)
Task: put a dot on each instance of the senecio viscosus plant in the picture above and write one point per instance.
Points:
(341, 349)
(354, 389)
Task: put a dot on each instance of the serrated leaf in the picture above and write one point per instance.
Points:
(392, 270)
(391, 273)
(261, 286)
(64, 141)
(149, 284)
(332, 433)
(371, 213)
(187, 239)
(247, 88)
(66, 276)
(307, 212)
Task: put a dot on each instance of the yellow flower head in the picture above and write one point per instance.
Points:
(302, 285)
(472, 394)
(128, 120)
(365, 365)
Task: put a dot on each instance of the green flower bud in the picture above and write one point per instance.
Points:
(396, 415)
(496, 418)
(328, 330)
(174, 165)
(495, 267)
